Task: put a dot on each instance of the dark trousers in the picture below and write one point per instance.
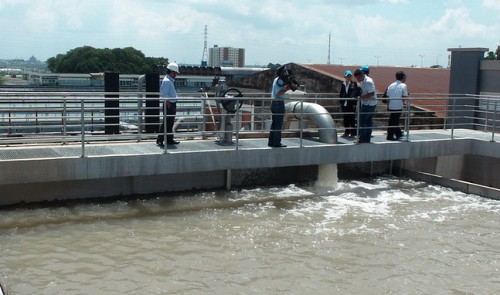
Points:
(169, 115)
(393, 130)
(366, 122)
(349, 120)
(278, 110)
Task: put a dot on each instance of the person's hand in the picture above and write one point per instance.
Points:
(168, 104)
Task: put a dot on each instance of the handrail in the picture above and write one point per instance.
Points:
(65, 117)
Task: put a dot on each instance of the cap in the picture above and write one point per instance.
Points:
(347, 73)
(365, 69)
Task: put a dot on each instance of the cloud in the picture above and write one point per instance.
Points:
(5, 3)
(457, 24)
(492, 4)
(41, 17)
(395, 1)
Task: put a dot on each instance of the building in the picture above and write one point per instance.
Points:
(226, 57)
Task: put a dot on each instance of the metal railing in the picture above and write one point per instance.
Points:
(82, 117)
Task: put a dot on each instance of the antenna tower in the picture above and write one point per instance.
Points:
(204, 57)
(329, 41)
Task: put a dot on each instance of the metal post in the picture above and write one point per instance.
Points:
(237, 123)
(82, 125)
(407, 119)
(494, 122)
(301, 130)
(204, 99)
(358, 111)
(64, 120)
(453, 117)
(165, 115)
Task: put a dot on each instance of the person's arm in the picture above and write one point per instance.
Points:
(284, 90)
(371, 88)
(368, 95)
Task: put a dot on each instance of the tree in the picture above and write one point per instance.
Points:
(88, 59)
(493, 55)
(490, 56)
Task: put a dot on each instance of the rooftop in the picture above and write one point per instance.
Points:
(419, 80)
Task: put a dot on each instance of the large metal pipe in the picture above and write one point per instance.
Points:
(319, 115)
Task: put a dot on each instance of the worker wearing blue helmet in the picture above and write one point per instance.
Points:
(348, 92)
(365, 69)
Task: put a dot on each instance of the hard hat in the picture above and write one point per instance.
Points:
(347, 73)
(365, 69)
(173, 67)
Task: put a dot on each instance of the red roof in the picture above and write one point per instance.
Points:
(420, 81)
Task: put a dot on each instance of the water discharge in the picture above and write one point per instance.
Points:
(386, 235)
(327, 177)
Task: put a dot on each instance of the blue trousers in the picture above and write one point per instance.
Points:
(366, 122)
(278, 110)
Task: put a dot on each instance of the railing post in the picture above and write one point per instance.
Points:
(204, 99)
(407, 119)
(165, 115)
(64, 119)
(358, 114)
(237, 123)
(453, 117)
(494, 122)
(82, 125)
(301, 129)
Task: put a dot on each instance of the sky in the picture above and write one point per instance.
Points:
(363, 32)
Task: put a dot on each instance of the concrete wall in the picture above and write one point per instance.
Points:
(476, 169)
(465, 79)
(128, 174)
(490, 76)
(143, 185)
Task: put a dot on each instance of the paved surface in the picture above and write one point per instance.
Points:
(45, 151)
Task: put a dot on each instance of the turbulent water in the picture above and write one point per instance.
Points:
(388, 235)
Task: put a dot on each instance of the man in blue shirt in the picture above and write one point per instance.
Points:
(278, 110)
(167, 90)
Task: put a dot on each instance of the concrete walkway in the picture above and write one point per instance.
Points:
(46, 172)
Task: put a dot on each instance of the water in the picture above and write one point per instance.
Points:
(382, 236)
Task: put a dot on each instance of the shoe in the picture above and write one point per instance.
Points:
(172, 142)
(159, 143)
(345, 135)
(361, 141)
(391, 139)
(279, 146)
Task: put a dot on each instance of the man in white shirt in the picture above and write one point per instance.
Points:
(395, 93)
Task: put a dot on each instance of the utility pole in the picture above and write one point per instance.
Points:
(437, 59)
(421, 60)
(329, 42)
(341, 58)
(204, 57)
(377, 57)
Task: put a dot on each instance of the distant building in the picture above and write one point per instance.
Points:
(226, 57)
